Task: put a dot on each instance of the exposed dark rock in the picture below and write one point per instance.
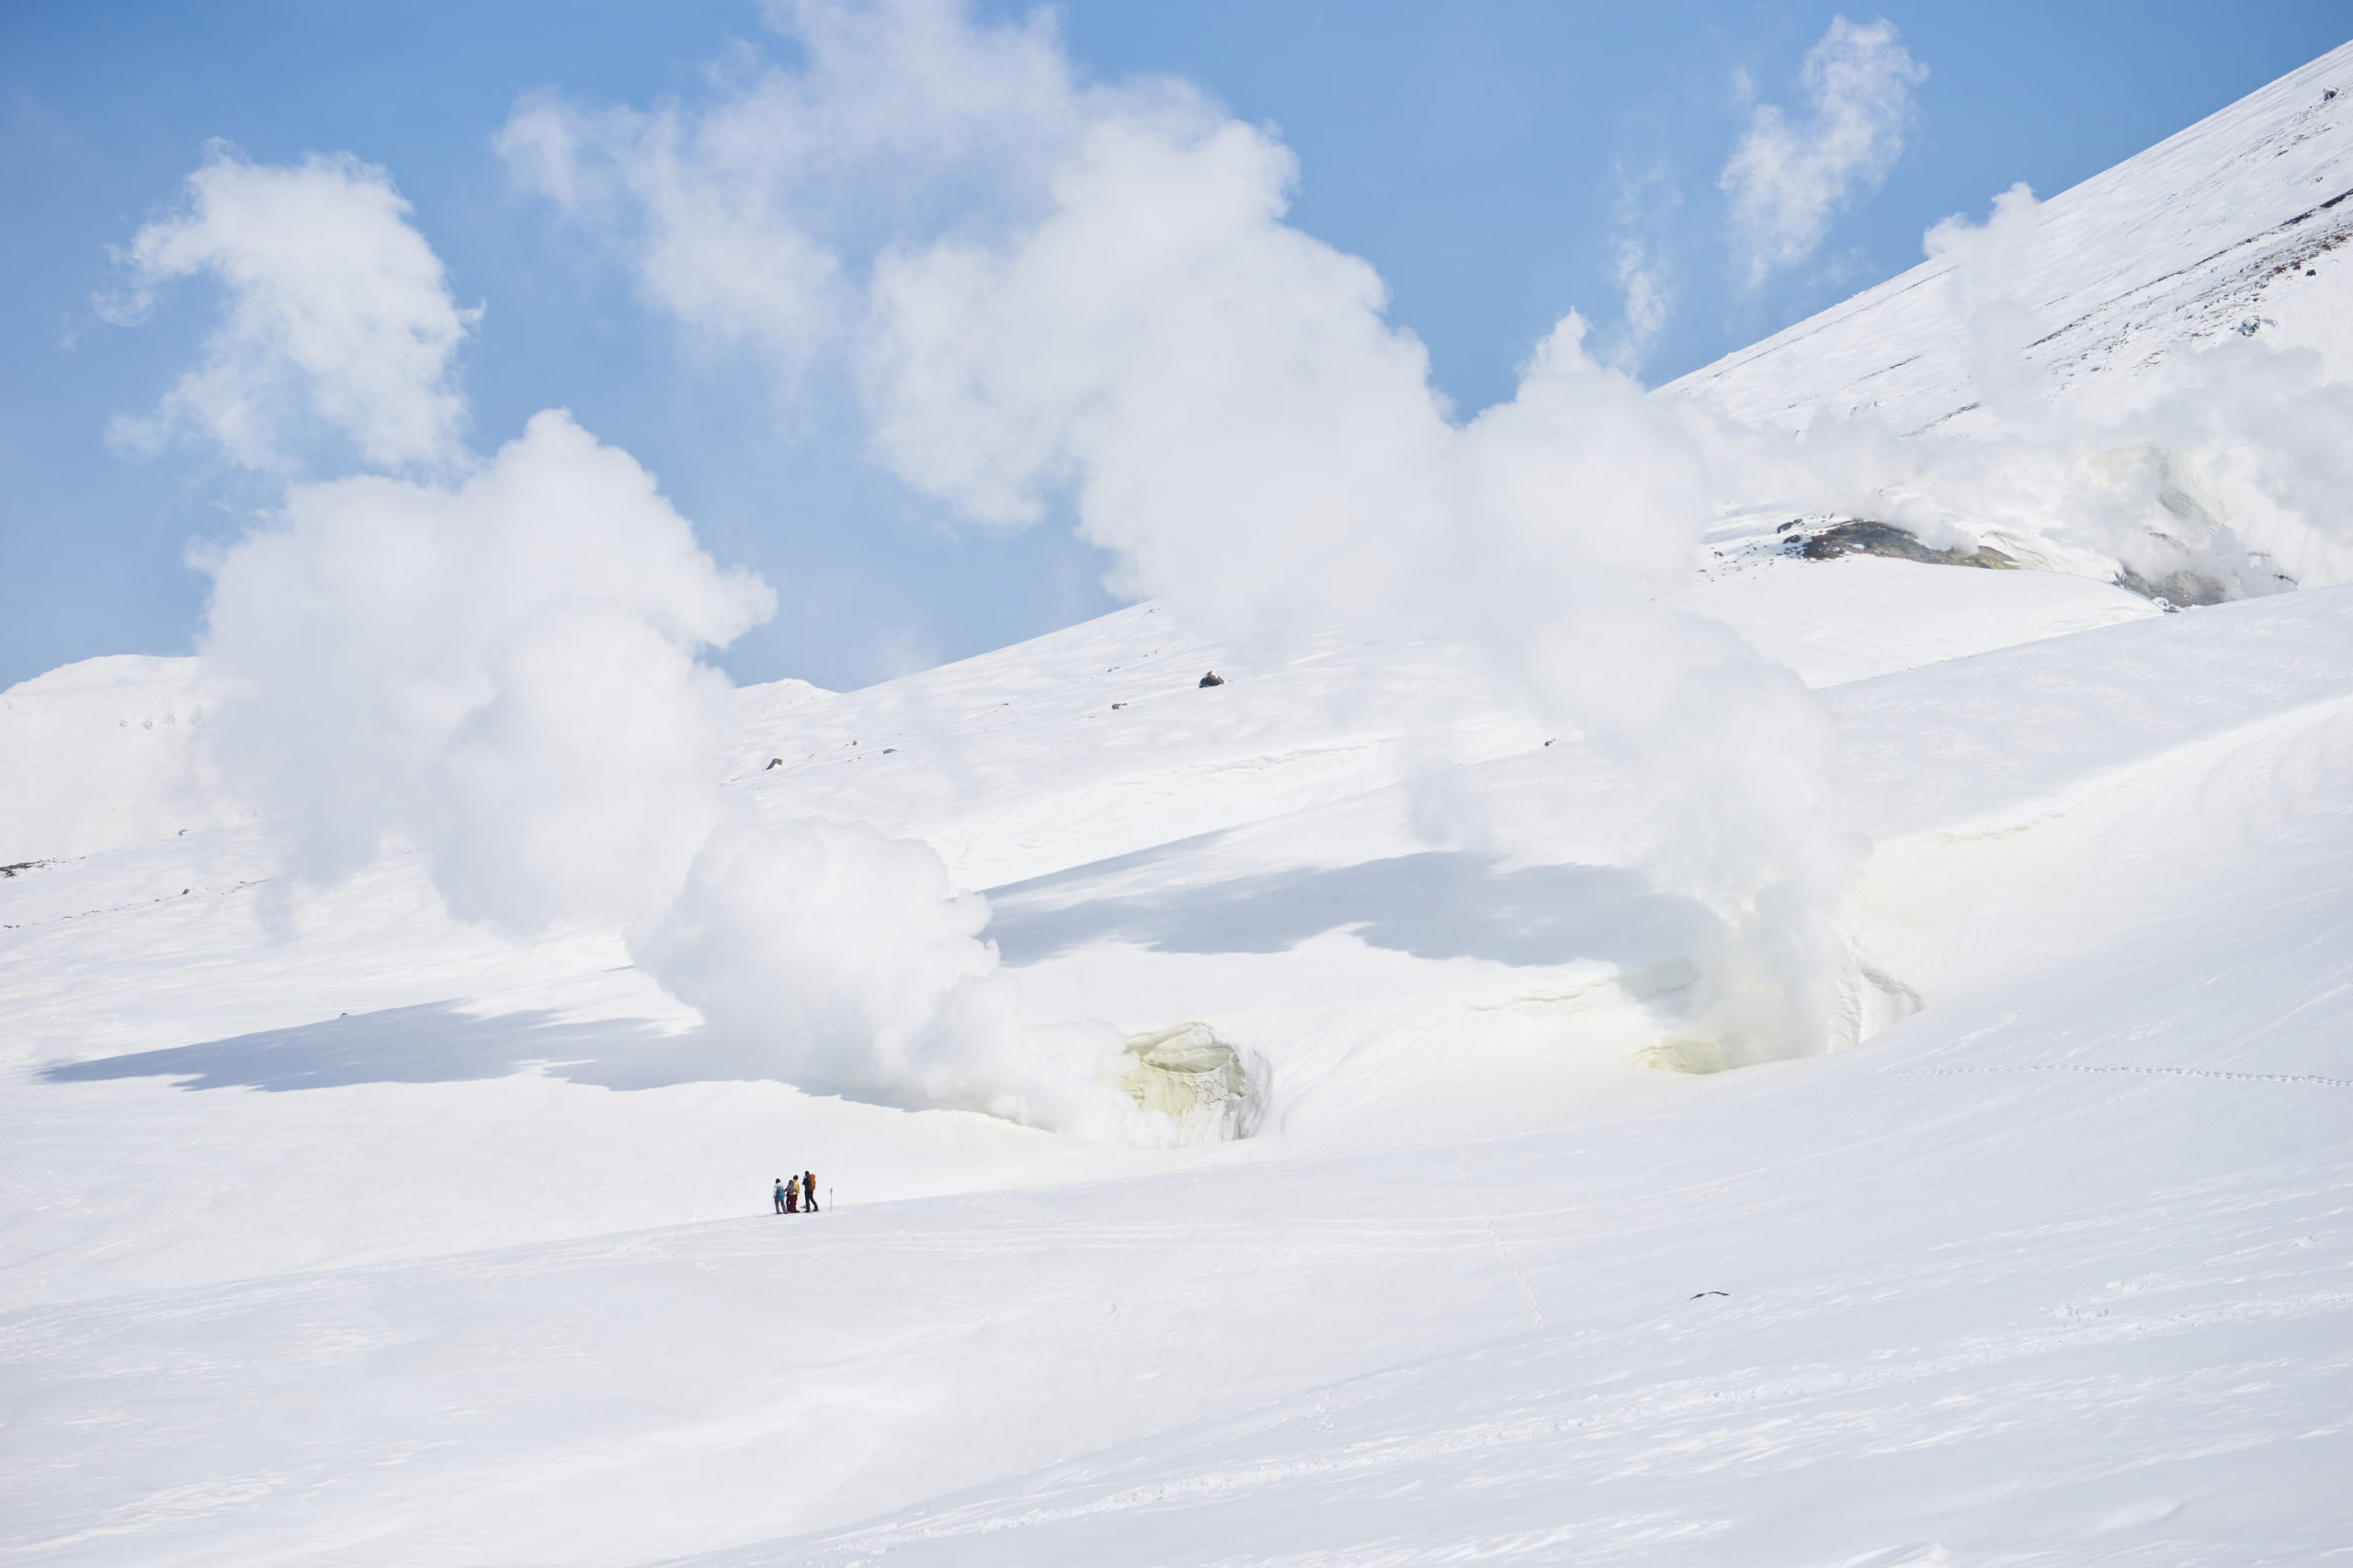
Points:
(1860, 537)
(1212, 678)
(2175, 590)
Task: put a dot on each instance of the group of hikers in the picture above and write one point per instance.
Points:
(796, 1194)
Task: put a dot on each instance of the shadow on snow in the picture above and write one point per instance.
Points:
(435, 1043)
(1437, 904)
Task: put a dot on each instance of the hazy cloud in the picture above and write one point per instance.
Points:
(1642, 277)
(339, 319)
(736, 212)
(1638, 261)
(1788, 180)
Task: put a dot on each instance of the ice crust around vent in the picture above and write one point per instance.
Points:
(1197, 1080)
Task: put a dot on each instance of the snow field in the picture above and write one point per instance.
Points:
(2053, 1269)
(344, 1232)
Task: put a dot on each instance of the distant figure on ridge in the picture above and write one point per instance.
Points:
(780, 1194)
(808, 1191)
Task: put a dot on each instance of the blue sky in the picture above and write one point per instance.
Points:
(1488, 160)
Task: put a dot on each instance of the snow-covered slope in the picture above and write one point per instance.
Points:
(2208, 231)
(338, 1232)
(2142, 380)
(105, 753)
(2056, 1267)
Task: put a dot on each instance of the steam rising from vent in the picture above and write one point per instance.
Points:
(1093, 297)
(505, 669)
(1051, 292)
(2212, 473)
(845, 959)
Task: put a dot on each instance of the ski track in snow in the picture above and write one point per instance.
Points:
(2161, 1071)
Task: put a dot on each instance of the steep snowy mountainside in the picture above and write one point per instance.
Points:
(2211, 229)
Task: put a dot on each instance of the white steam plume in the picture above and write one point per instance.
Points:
(748, 206)
(845, 959)
(339, 319)
(502, 670)
(2212, 472)
(505, 669)
(2220, 470)
(1124, 319)
(1787, 180)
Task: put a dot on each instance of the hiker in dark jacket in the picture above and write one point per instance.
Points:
(780, 1194)
(809, 1190)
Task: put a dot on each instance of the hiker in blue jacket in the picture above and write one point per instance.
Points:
(780, 1194)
